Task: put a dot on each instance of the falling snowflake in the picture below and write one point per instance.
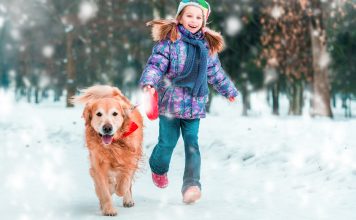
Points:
(233, 25)
(277, 12)
(2, 21)
(324, 60)
(48, 51)
(87, 11)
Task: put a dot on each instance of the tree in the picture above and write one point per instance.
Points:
(4, 75)
(241, 30)
(341, 29)
(321, 85)
(287, 50)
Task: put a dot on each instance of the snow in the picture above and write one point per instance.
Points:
(277, 12)
(257, 167)
(15, 34)
(3, 8)
(324, 59)
(129, 75)
(2, 21)
(87, 11)
(48, 51)
(270, 75)
(233, 25)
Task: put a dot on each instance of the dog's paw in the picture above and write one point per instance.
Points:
(109, 211)
(129, 204)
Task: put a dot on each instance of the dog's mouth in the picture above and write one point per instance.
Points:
(107, 139)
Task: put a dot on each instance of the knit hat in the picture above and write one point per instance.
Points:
(202, 4)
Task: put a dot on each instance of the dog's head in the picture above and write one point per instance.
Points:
(106, 116)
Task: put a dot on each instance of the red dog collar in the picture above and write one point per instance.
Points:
(133, 127)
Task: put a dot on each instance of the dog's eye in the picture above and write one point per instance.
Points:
(99, 114)
(114, 114)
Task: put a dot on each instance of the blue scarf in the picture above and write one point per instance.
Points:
(194, 75)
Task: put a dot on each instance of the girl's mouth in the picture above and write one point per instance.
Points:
(192, 26)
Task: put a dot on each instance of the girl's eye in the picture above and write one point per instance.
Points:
(99, 114)
(199, 18)
(114, 114)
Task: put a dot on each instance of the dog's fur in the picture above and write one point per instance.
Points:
(113, 159)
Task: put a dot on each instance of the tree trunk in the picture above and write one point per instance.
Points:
(4, 81)
(275, 98)
(159, 9)
(70, 68)
(246, 105)
(321, 87)
(350, 109)
(296, 98)
(333, 98)
(37, 91)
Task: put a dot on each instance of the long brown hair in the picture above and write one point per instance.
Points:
(163, 28)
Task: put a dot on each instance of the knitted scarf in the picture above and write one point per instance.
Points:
(194, 75)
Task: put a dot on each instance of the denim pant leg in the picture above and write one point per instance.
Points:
(169, 131)
(191, 176)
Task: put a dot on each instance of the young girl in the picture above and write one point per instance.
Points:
(182, 64)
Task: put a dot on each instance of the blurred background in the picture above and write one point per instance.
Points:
(299, 50)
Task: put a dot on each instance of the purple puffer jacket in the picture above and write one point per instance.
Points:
(167, 62)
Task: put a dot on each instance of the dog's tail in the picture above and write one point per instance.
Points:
(98, 92)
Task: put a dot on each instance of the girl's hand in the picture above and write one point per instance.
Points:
(148, 88)
(232, 99)
(150, 102)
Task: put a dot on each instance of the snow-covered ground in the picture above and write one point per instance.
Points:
(259, 167)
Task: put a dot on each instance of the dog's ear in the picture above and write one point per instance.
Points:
(87, 113)
(117, 93)
(128, 109)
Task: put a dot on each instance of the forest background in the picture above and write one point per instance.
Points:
(299, 49)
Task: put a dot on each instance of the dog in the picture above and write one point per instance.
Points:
(113, 135)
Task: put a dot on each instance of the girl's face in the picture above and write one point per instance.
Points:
(192, 18)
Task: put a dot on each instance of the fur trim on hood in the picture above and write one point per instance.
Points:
(167, 28)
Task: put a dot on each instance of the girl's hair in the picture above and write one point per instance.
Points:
(163, 28)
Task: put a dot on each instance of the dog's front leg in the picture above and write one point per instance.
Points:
(127, 200)
(103, 192)
(124, 189)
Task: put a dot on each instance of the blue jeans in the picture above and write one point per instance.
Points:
(169, 132)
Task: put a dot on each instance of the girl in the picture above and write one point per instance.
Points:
(182, 63)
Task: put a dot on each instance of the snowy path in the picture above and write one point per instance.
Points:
(252, 168)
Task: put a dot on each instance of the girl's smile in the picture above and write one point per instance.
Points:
(192, 18)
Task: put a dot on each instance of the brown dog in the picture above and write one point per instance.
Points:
(113, 130)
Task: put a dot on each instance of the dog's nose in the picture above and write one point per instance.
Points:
(107, 128)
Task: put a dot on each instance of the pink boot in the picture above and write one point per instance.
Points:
(191, 195)
(160, 181)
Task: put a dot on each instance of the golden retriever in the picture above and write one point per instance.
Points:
(113, 132)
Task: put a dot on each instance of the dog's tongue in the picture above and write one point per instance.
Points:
(107, 139)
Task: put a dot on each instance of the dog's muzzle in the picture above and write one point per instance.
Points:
(107, 129)
(107, 134)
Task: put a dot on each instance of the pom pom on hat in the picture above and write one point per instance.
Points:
(202, 4)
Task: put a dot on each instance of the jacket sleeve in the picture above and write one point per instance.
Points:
(157, 64)
(218, 78)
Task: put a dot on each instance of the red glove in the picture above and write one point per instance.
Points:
(151, 102)
(232, 99)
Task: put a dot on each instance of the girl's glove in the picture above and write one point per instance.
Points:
(151, 102)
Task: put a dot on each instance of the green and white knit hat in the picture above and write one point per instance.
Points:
(204, 5)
